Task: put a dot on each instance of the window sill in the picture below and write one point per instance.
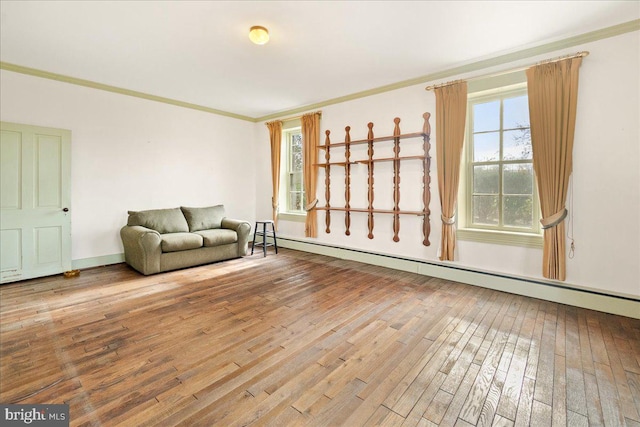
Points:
(295, 217)
(501, 237)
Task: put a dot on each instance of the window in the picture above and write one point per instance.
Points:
(295, 188)
(499, 196)
(292, 198)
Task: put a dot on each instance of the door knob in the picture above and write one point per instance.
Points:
(65, 209)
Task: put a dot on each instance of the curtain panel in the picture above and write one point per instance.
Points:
(553, 94)
(310, 138)
(275, 137)
(451, 116)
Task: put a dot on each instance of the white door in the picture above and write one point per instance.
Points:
(35, 196)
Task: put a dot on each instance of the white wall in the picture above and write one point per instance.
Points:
(132, 154)
(606, 202)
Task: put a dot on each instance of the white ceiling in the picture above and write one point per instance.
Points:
(199, 52)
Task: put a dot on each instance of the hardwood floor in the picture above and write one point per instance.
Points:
(302, 339)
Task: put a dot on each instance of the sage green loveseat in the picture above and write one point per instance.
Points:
(168, 239)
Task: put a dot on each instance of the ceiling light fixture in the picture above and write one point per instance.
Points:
(258, 34)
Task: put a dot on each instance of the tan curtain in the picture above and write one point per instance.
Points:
(451, 115)
(310, 137)
(553, 95)
(275, 136)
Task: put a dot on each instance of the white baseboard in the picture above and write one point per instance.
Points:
(97, 261)
(549, 291)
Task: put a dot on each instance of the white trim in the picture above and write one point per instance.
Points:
(558, 292)
(291, 216)
(97, 261)
(527, 240)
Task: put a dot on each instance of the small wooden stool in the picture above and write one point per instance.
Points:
(264, 233)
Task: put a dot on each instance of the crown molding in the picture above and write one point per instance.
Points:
(95, 85)
(592, 36)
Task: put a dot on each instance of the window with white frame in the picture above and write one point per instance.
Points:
(293, 186)
(499, 196)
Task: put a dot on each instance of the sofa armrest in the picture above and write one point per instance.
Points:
(243, 228)
(142, 248)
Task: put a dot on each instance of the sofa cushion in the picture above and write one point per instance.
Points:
(203, 218)
(161, 220)
(217, 237)
(173, 242)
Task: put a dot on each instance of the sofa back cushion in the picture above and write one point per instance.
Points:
(204, 218)
(161, 220)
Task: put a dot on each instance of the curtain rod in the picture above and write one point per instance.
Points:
(319, 112)
(512, 70)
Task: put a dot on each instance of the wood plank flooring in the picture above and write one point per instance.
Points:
(302, 339)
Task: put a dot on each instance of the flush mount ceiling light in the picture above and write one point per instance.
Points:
(258, 34)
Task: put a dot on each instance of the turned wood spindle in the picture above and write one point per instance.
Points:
(327, 182)
(426, 135)
(396, 179)
(370, 168)
(347, 181)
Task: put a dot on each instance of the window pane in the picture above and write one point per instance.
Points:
(485, 210)
(296, 141)
(486, 147)
(295, 181)
(518, 179)
(518, 211)
(486, 179)
(516, 112)
(295, 201)
(517, 144)
(296, 152)
(486, 116)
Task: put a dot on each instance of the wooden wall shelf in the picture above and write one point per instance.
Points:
(370, 161)
(379, 139)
